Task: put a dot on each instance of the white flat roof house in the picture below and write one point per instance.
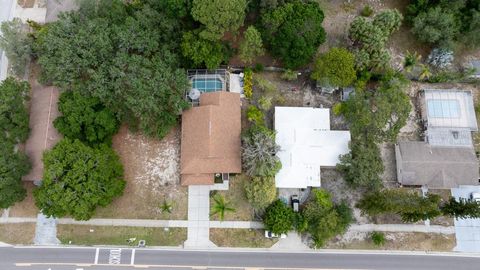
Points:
(306, 144)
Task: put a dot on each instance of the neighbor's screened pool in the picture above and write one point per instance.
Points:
(207, 85)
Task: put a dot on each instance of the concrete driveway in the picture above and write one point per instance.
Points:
(467, 230)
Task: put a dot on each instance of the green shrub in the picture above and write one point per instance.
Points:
(258, 67)
(367, 11)
(289, 75)
(337, 109)
(265, 103)
(248, 83)
(378, 238)
(278, 218)
(261, 191)
(255, 115)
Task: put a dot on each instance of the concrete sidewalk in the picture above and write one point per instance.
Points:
(231, 224)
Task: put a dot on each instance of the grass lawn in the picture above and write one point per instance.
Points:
(240, 238)
(403, 241)
(108, 235)
(25, 208)
(235, 195)
(22, 233)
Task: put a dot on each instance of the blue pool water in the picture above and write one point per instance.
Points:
(207, 85)
(443, 108)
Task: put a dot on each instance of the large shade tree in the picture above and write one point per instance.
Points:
(324, 220)
(13, 110)
(13, 165)
(363, 166)
(294, 31)
(85, 118)
(218, 16)
(77, 179)
(369, 37)
(445, 23)
(335, 68)
(122, 53)
(379, 114)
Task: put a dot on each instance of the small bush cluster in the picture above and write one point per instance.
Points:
(321, 218)
(248, 83)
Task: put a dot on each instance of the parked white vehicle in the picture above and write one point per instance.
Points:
(475, 196)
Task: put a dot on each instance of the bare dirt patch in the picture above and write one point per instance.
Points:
(22, 233)
(333, 182)
(27, 207)
(152, 172)
(397, 241)
(240, 238)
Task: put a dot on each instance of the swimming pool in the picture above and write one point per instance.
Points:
(207, 84)
(443, 108)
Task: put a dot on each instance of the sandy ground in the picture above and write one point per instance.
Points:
(43, 136)
(152, 172)
(22, 233)
(25, 208)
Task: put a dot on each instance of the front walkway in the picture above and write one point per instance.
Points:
(198, 217)
(46, 231)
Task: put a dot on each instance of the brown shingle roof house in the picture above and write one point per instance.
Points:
(211, 138)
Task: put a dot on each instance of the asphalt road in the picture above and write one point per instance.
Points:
(34, 258)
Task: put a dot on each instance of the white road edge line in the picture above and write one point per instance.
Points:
(132, 260)
(96, 256)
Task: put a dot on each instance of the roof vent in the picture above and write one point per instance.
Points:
(455, 135)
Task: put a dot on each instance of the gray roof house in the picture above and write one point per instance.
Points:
(448, 117)
(446, 158)
(436, 167)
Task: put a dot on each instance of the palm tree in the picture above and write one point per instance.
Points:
(221, 206)
(166, 207)
(424, 72)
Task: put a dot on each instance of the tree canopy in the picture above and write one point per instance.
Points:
(323, 219)
(77, 179)
(335, 68)
(445, 23)
(218, 16)
(379, 114)
(203, 52)
(16, 43)
(252, 45)
(285, 32)
(259, 152)
(410, 205)
(85, 118)
(278, 218)
(14, 115)
(13, 165)
(123, 54)
(369, 37)
(363, 166)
